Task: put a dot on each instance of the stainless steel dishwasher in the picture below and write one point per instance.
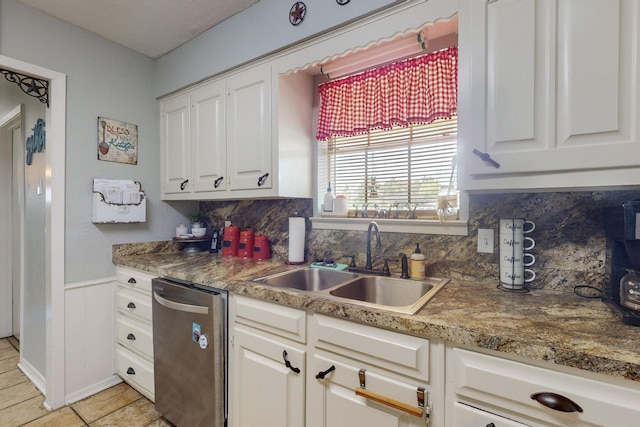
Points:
(190, 353)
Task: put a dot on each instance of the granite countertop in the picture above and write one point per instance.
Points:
(541, 325)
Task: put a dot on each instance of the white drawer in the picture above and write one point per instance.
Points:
(468, 416)
(134, 304)
(345, 380)
(135, 336)
(136, 372)
(277, 319)
(507, 386)
(134, 280)
(394, 351)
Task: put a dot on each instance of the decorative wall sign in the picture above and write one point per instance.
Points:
(35, 142)
(297, 13)
(117, 141)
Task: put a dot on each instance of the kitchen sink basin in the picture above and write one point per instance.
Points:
(401, 295)
(307, 279)
(387, 293)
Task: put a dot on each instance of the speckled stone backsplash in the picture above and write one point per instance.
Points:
(570, 243)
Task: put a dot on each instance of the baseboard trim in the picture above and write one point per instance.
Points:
(34, 376)
(92, 389)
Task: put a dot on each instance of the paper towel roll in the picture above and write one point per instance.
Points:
(296, 240)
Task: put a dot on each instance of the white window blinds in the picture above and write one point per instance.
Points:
(404, 165)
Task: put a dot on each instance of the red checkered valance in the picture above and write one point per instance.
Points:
(412, 91)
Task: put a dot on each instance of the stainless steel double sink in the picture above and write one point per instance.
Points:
(387, 293)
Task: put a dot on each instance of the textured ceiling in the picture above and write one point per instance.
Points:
(150, 27)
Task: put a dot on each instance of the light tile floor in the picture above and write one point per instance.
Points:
(21, 403)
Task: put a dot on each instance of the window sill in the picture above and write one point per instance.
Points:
(411, 226)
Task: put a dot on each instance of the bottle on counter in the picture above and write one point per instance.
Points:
(328, 200)
(418, 264)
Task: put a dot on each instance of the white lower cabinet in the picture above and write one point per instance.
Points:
(265, 390)
(288, 368)
(268, 393)
(133, 331)
(483, 389)
(372, 377)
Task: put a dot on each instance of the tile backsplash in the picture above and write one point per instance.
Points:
(570, 242)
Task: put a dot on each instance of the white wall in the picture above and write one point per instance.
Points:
(259, 30)
(103, 79)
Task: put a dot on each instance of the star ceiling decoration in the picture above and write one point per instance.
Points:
(297, 13)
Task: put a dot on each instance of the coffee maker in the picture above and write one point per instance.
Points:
(622, 229)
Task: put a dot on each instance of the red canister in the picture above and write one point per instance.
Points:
(245, 246)
(261, 247)
(230, 241)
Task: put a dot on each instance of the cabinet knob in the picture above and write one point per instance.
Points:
(131, 371)
(131, 280)
(288, 364)
(491, 425)
(131, 337)
(217, 182)
(131, 305)
(557, 402)
(183, 185)
(262, 179)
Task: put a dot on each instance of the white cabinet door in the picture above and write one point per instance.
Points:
(249, 129)
(333, 402)
(267, 393)
(176, 140)
(208, 138)
(542, 93)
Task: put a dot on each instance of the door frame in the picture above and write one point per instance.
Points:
(8, 124)
(54, 241)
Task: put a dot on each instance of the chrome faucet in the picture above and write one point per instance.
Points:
(372, 225)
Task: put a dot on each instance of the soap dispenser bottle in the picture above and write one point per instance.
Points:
(328, 200)
(417, 264)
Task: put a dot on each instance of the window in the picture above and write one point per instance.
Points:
(388, 138)
(397, 170)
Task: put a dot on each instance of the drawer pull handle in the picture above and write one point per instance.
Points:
(385, 400)
(130, 371)
(416, 411)
(183, 184)
(132, 281)
(322, 374)
(131, 337)
(131, 305)
(217, 182)
(288, 364)
(556, 402)
(262, 179)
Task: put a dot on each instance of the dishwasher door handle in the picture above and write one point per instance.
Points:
(189, 308)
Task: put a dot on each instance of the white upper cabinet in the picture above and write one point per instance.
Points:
(176, 144)
(249, 130)
(237, 137)
(548, 92)
(208, 144)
